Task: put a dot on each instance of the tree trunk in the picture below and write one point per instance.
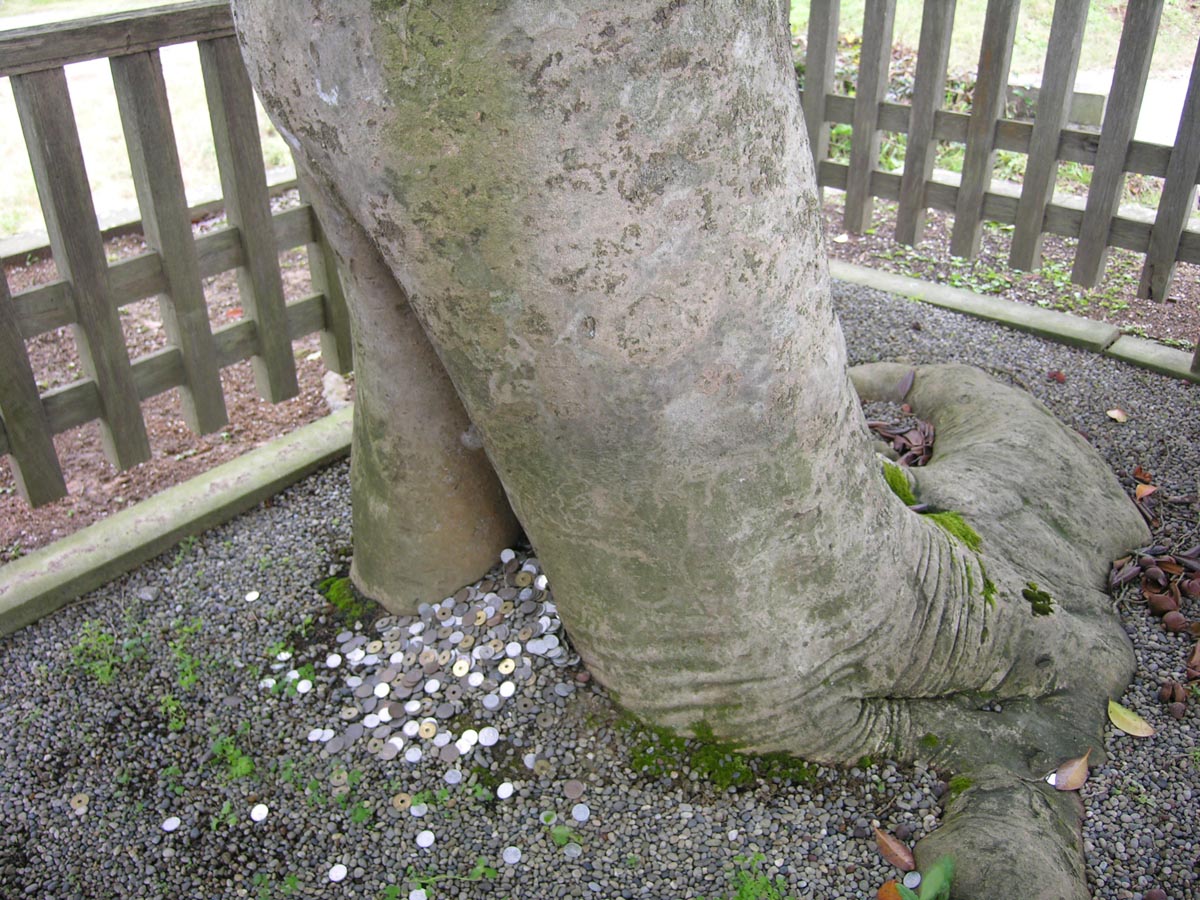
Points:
(606, 220)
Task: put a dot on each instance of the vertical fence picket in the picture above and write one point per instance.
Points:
(31, 450)
(929, 87)
(820, 57)
(1120, 119)
(48, 122)
(987, 107)
(874, 66)
(336, 344)
(154, 160)
(1178, 197)
(1053, 108)
(248, 209)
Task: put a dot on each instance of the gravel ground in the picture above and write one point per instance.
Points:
(186, 731)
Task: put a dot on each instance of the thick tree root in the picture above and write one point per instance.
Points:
(1011, 838)
(1049, 513)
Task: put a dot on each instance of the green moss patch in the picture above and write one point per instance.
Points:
(1040, 602)
(956, 526)
(898, 482)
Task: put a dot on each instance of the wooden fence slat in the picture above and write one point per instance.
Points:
(57, 44)
(29, 442)
(1120, 119)
(991, 87)
(337, 347)
(1053, 108)
(1178, 197)
(48, 121)
(875, 61)
(158, 180)
(929, 88)
(248, 208)
(819, 60)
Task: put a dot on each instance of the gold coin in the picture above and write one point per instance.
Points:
(467, 642)
(507, 666)
(444, 657)
(506, 608)
(461, 668)
(523, 579)
(79, 802)
(338, 778)
(427, 656)
(374, 646)
(374, 745)
(427, 730)
(480, 617)
(401, 802)
(497, 646)
(525, 634)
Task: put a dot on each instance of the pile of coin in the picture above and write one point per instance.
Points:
(476, 653)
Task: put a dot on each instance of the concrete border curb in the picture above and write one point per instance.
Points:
(53, 576)
(1061, 327)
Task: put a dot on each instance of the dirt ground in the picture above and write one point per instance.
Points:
(97, 489)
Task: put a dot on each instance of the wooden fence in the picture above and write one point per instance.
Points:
(1046, 140)
(90, 291)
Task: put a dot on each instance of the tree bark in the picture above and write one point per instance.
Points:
(605, 218)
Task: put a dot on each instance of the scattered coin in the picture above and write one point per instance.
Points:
(171, 823)
(259, 812)
(512, 855)
(580, 812)
(251, 596)
(425, 839)
(337, 873)
(573, 789)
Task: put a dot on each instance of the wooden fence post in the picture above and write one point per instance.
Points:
(874, 66)
(154, 160)
(48, 121)
(991, 87)
(248, 208)
(1120, 119)
(31, 450)
(1053, 108)
(929, 87)
(820, 57)
(1178, 197)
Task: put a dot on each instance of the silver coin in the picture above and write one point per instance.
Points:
(512, 855)
(572, 851)
(259, 812)
(337, 873)
(452, 776)
(413, 754)
(333, 660)
(912, 880)
(171, 823)
(488, 736)
(425, 839)
(580, 812)
(504, 790)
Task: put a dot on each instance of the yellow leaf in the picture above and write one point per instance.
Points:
(1118, 415)
(1071, 775)
(1144, 490)
(1128, 721)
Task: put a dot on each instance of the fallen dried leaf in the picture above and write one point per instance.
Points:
(1056, 375)
(1144, 490)
(895, 851)
(1128, 721)
(1142, 475)
(841, 238)
(888, 891)
(904, 385)
(1071, 775)
(1117, 415)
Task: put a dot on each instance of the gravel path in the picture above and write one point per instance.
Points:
(211, 726)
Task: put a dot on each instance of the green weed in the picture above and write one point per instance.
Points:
(170, 707)
(750, 882)
(237, 763)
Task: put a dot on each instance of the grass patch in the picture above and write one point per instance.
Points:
(344, 597)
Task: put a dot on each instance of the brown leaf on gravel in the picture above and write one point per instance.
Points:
(895, 851)
(1142, 475)
(1071, 775)
(1142, 491)
(888, 891)
(1056, 375)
